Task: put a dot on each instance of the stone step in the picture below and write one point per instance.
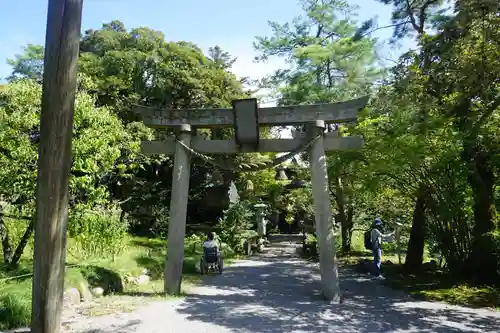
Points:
(278, 238)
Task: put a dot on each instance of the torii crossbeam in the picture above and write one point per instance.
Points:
(246, 118)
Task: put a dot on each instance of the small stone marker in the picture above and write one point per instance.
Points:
(97, 291)
(71, 296)
(233, 194)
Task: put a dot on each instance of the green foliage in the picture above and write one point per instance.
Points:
(237, 226)
(328, 65)
(99, 139)
(193, 243)
(410, 18)
(140, 66)
(16, 223)
(29, 64)
(15, 311)
(310, 239)
(139, 254)
(298, 201)
(97, 233)
(430, 131)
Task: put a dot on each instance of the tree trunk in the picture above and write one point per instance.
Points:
(4, 236)
(415, 252)
(346, 229)
(483, 262)
(22, 244)
(344, 217)
(341, 216)
(346, 239)
(482, 181)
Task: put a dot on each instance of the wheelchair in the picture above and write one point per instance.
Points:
(211, 261)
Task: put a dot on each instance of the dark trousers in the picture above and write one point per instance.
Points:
(377, 259)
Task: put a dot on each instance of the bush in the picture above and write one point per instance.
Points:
(97, 233)
(193, 243)
(236, 226)
(17, 223)
(494, 240)
(15, 310)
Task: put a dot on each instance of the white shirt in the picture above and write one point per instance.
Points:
(209, 244)
(377, 237)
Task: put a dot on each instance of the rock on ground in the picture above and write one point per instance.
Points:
(277, 292)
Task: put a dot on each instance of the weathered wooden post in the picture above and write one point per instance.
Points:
(178, 212)
(54, 162)
(398, 240)
(323, 214)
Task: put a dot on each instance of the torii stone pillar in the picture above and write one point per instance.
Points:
(178, 212)
(246, 118)
(323, 214)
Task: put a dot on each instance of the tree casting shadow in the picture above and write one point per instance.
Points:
(282, 295)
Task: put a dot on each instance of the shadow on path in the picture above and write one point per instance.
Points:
(279, 293)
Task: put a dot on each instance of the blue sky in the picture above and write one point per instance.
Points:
(232, 24)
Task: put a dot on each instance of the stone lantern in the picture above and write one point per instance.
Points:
(261, 221)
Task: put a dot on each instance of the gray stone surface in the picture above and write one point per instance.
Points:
(277, 292)
(71, 296)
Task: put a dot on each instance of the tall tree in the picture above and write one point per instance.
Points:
(412, 19)
(327, 65)
(220, 57)
(28, 64)
(93, 159)
(464, 74)
(139, 66)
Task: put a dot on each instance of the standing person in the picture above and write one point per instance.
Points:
(376, 239)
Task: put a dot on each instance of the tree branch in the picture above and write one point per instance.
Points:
(17, 217)
(385, 27)
(409, 12)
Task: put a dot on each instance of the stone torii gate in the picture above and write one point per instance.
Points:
(246, 118)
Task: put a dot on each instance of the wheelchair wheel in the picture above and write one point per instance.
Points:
(220, 265)
(203, 268)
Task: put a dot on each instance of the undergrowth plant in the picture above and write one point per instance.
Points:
(97, 233)
(236, 225)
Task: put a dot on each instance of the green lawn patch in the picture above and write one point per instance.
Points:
(140, 254)
(436, 285)
(429, 284)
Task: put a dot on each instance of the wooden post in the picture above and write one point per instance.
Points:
(54, 162)
(178, 212)
(323, 214)
(398, 241)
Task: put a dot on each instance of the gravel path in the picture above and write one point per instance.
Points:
(277, 292)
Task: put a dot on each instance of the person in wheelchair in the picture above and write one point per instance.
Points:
(212, 258)
(210, 242)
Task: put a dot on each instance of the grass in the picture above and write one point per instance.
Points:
(431, 284)
(140, 254)
(436, 285)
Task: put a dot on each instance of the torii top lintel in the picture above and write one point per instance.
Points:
(270, 116)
